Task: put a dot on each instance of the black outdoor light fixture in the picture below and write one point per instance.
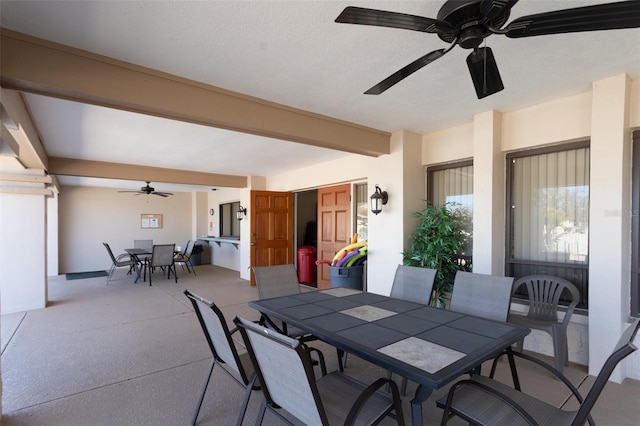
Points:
(378, 199)
(242, 212)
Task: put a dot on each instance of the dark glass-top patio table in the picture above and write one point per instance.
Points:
(138, 255)
(427, 345)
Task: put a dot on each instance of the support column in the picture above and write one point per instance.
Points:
(488, 194)
(23, 264)
(610, 201)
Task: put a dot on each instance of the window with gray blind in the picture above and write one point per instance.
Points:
(548, 214)
(451, 185)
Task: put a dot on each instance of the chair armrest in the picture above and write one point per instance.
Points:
(550, 369)
(490, 391)
(368, 392)
(553, 371)
(122, 256)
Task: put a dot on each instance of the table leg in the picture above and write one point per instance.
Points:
(138, 268)
(422, 394)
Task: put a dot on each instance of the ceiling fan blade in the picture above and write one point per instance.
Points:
(162, 194)
(493, 9)
(381, 18)
(405, 72)
(484, 72)
(608, 16)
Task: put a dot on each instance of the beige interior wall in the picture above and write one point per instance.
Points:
(90, 216)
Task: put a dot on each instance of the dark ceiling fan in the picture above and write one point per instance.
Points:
(467, 23)
(150, 190)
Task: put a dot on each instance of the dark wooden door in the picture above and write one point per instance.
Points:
(334, 219)
(271, 229)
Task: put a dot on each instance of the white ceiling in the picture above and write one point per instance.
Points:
(293, 53)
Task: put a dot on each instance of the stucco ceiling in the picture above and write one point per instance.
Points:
(293, 53)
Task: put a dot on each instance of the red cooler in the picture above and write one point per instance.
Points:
(307, 265)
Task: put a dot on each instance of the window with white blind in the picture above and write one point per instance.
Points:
(362, 211)
(451, 185)
(548, 218)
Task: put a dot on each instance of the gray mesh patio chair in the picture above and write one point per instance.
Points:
(481, 295)
(143, 244)
(161, 257)
(412, 284)
(484, 401)
(184, 258)
(123, 259)
(544, 293)
(277, 281)
(284, 368)
(236, 364)
(484, 296)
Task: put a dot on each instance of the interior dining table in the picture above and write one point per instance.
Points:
(428, 345)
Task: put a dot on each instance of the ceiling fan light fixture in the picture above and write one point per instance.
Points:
(484, 72)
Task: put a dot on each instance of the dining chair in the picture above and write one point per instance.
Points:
(143, 244)
(485, 401)
(236, 364)
(412, 284)
(278, 281)
(184, 258)
(285, 370)
(123, 259)
(544, 292)
(161, 257)
(482, 295)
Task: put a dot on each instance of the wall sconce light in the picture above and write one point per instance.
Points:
(378, 199)
(242, 212)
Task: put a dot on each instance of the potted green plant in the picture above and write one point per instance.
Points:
(436, 243)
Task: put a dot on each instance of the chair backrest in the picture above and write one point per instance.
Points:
(113, 258)
(486, 296)
(143, 244)
(413, 283)
(623, 349)
(189, 249)
(185, 247)
(276, 281)
(285, 370)
(217, 333)
(162, 254)
(544, 293)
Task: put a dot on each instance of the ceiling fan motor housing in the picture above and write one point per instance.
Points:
(471, 26)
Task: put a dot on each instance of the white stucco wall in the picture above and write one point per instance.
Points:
(606, 116)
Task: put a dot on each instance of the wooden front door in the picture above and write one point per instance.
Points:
(334, 226)
(271, 229)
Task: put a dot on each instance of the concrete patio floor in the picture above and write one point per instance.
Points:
(130, 354)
